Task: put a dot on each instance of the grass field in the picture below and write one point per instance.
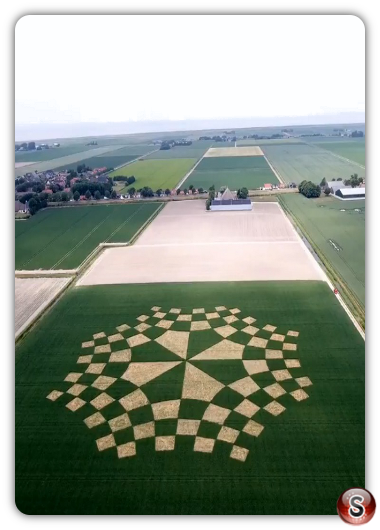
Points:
(107, 160)
(234, 172)
(298, 162)
(299, 464)
(324, 223)
(61, 238)
(156, 173)
(353, 150)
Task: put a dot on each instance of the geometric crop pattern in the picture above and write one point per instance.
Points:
(122, 381)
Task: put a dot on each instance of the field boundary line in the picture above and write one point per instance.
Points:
(327, 270)
(183, 180)
(274, 170)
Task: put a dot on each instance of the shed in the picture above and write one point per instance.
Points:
(237, 204)
(350, 193)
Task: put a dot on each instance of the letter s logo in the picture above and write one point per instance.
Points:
(356, 507)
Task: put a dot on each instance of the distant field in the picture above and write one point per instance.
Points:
(325, 223)
(279, 141)
(295, 456)
(234, 172)
(352, 150)
(61, 238)
(108, 161)
(195, 150)
(66, 161)
(299, 162)
(51, 154)
(157, 174)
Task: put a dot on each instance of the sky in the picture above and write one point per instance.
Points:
(130, 68)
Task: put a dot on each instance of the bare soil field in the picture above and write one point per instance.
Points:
(23, 164)
(32, 296)
(185, 244)
(234, 151)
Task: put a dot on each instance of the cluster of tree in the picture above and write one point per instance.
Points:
(357, 134)
(242, 193)
(37, 202)
(82, 168)
(30, 146)
(309, 135)
(205, 138)
(59, 196)
(146, 192)
(168, 144)
(261, 137)
(159, 192)
(122, 178)
(338, 130)
(354, 181)
(83, 186)
(309, 189)
(93, 142)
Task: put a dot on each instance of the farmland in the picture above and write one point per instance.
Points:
(324, 223)
(66, 161)
(156, 174)
(32, 296)
(294, 457)
(353, 150)
(234, 172)
(298, 162)
(62, 238)
(195, 150)
(50, 154)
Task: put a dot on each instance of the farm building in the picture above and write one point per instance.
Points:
(336, 185)
(350, 193)
(227, 200)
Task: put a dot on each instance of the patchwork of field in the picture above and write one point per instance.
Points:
(50, 154)
(67, 161)
(233, 151)
(195, 150)
(188, 396)
(299, 162)
(156, 174)
(61, 238)
(352, 150)
(233, 171)
(32, 296)
(186, 243)
(337, 230)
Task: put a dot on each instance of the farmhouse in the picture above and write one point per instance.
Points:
(228, 201)
(350, 193)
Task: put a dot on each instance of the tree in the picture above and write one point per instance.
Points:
(191, 187)
(132, 191)
(185, 191)
(323, 182)
(242, 193)
(309, 189)
(31, 146)
(167, 192)
(113, 194)
(200, 190)
(147, 192)
(88, 194)
(159, 192)
(97, 195)
(76, 196)
(33, 206)
(65, 196)
(178, 191)
(339, 179)
(327, 191)
(107, 194)
(208, 204)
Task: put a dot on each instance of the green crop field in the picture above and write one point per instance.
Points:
(156, 174)
(61, 238)
(325, 226)
(108, 160)
(171, 436)
(298, 162)
(353, 150)
(232, 171)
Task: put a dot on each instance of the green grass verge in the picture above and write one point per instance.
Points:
(300, 463)
(62, 238)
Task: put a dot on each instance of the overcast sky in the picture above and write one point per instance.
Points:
(106, 68)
